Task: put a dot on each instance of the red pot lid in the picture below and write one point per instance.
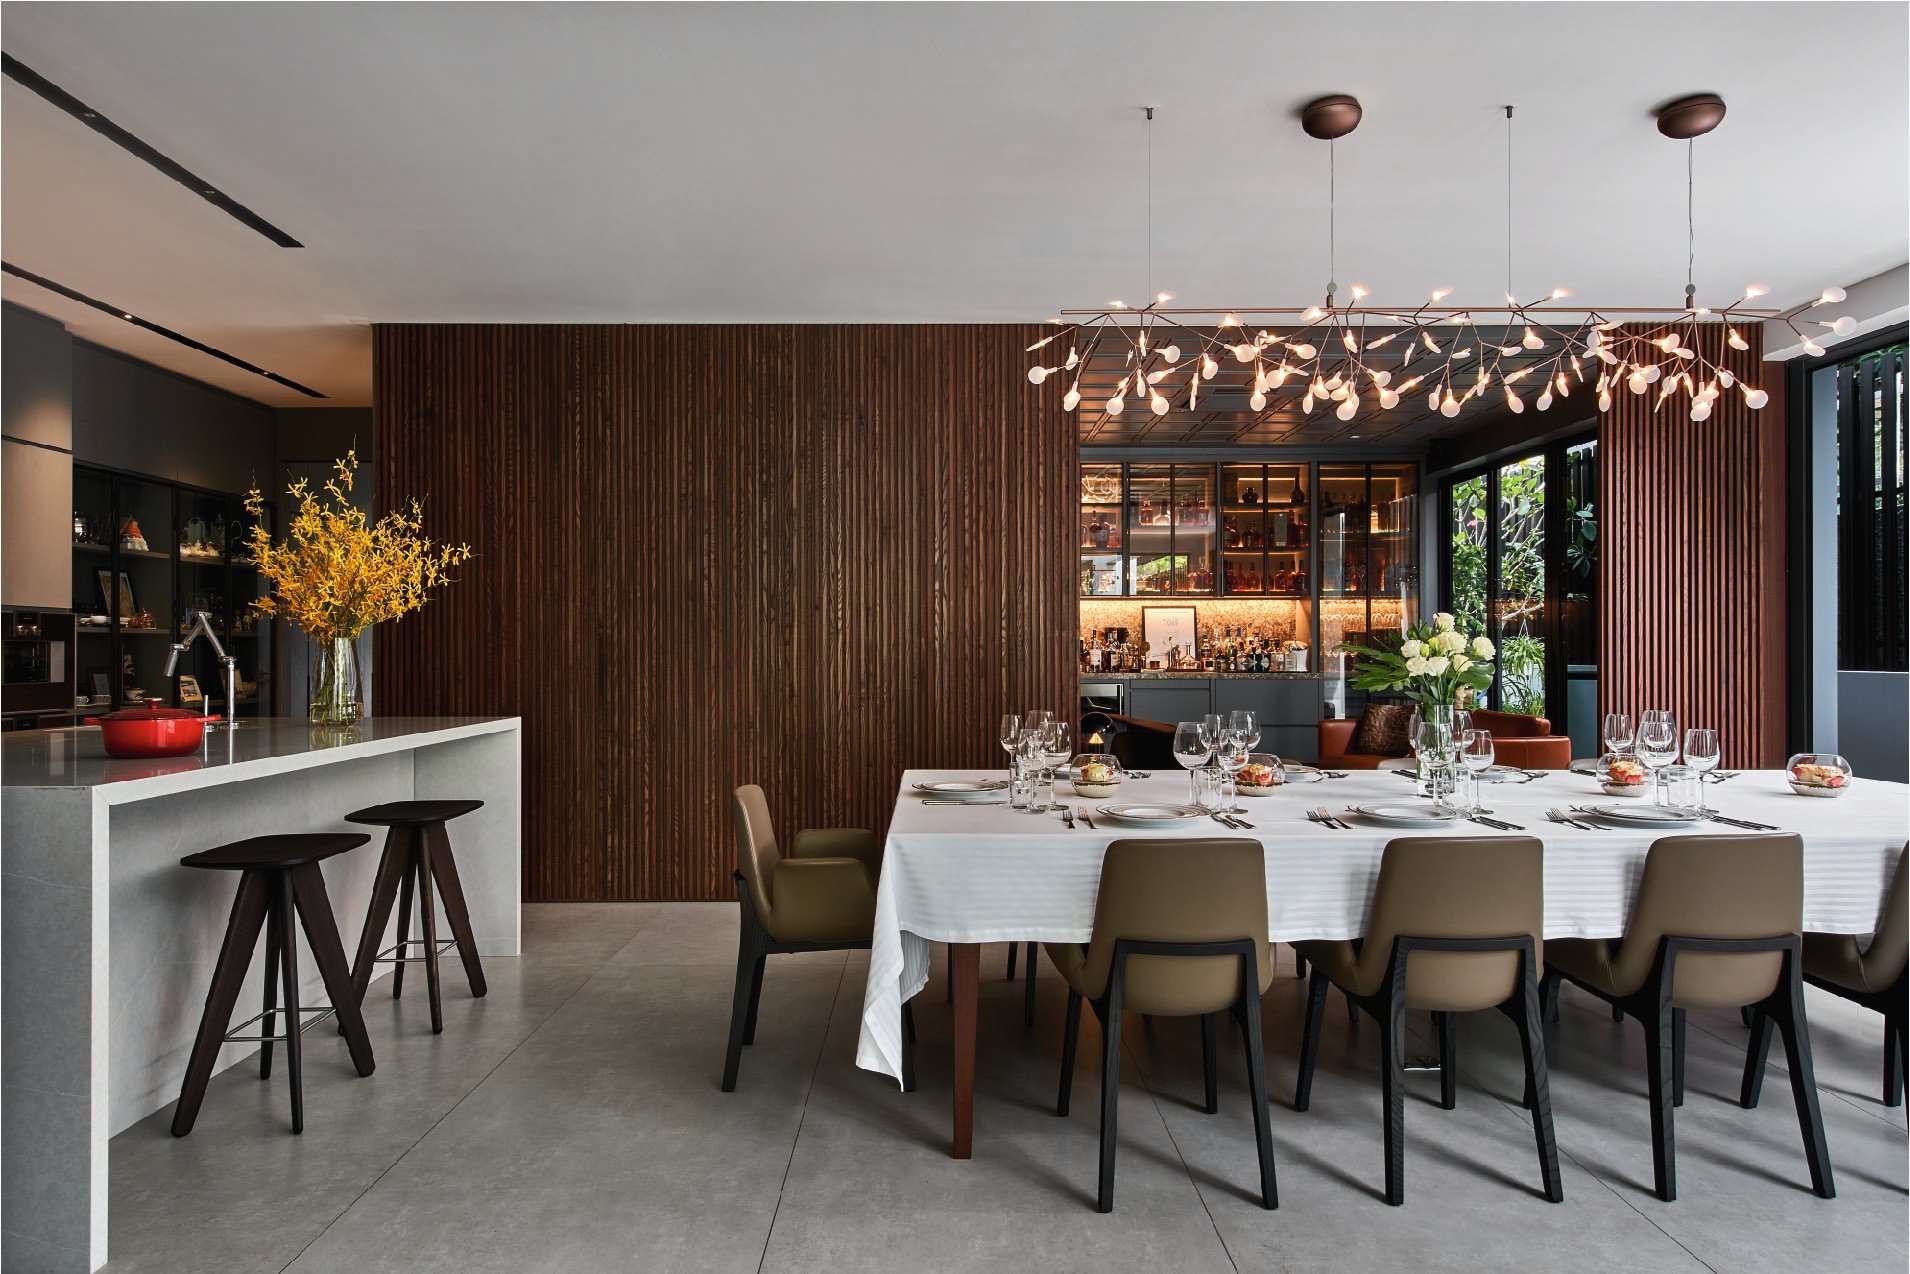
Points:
(154, 713)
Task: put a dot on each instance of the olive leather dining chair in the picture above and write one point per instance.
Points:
(1457, 926)
(1715, 926)
(1180, 930)
(822, 898)
(1870, 974)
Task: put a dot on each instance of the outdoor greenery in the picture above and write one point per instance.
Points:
(1520, 518)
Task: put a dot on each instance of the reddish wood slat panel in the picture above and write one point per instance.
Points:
(1691, 568)
(803, 556)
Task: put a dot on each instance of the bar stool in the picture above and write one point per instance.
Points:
(279, 875)
(417, 852)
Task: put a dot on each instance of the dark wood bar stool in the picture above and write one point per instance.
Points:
(279, 876)
(417, 852)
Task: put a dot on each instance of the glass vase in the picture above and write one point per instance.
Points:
(334, 699)
(1428, 768)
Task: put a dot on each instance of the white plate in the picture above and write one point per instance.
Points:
(1504, 774)
(1405, 815)
(979, 790)
(1646, 814)
(1150, 815)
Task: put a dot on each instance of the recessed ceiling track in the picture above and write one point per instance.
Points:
(29, 78)
(104, 308)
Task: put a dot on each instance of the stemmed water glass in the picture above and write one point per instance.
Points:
(1210, 728)
(1619, 732)
(1657, 743)
(1231, 755)
(1242, 723)
(1009, 736)
(1476, 749)
(1702, 755)
(1192, 750)
(1057, 745)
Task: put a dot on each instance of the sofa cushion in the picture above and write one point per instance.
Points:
(1382, 729)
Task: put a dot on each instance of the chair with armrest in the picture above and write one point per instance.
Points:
(1869, 974)
(1715, 925)
(822, 898)
(1456, 927)
(1336, 737)
(1180, 930)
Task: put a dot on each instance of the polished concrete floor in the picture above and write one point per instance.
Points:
(571, 1121)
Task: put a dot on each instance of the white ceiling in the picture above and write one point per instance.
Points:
(917, 162)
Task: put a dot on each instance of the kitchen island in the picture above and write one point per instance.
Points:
(107, 944)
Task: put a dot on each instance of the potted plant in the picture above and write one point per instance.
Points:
(1430, 665)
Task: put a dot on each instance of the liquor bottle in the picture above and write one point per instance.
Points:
(1203, 577)
(1255, 539)
(1232, 534)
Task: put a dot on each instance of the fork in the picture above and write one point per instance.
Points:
(1561, 816)
(1067, 816)
(1319, 815)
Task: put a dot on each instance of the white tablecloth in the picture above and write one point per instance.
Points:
(985, 873)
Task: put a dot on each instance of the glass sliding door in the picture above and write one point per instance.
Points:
(1575, 657)
(1518, 597)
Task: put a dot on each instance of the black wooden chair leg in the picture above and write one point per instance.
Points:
(1756, 1054)
(746, 964)
(1530, 1020)
(1797, 1053)
(428, 923)
(1549, 997)
(1210, 1068)
(1299, 965)
(1448, 1028)
(1110, 1095)
(1352, 1009)
(268, 1023)
(1658, 1066)
(1070, 1040)
(1392, 1062)
(1028, 987)
(1310, 1040)
(405, 886)
(755, 999)
(1677, 1057)
(1893, 1049)
(908, 1048)
(1257, 1084)
(1013, 949)
(288, 968)
(1618, 1013)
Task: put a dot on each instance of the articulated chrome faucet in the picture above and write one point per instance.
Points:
(201, 622)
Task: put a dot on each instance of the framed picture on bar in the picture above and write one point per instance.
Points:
(1170, 633)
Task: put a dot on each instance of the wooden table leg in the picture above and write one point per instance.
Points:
(965, 962)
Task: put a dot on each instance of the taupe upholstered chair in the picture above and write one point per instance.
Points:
(1180, 930)
(1457, 926)
(820, 899)
(1715, 926)
(1871, 975)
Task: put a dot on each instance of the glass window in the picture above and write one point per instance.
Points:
(1577, 645)
(1872, 450)
(1519, 602)
(1466, 561)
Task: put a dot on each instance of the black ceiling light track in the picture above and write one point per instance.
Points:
(103, 307)
(29, 78)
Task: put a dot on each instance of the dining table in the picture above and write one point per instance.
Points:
(967, 873)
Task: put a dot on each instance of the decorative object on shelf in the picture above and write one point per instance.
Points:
(82, 528)
(131, 537)
(1171, 630)
(118, 602)
(1100, 488)
(1345, 357)
(196, 544)
(338, 572)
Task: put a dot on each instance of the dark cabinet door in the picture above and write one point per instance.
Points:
(1170, 701)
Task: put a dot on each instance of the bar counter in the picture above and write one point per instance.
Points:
(108, 943)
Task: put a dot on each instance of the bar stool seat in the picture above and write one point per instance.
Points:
(279, 876)
(417, 854)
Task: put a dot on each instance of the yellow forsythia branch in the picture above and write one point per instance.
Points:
(336, 572)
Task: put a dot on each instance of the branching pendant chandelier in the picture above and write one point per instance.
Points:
(1344, 357)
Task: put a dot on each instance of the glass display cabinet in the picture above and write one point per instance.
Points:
(1171, 528)
(147, 553)
(1266, 538)
(1100, 538)
(1369, 560)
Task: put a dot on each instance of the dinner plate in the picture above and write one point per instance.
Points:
(1646, 815)
(981, 790)
(1406, 815)
(1150, 815)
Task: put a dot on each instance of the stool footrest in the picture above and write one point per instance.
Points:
(315, 1011)
(386, 956)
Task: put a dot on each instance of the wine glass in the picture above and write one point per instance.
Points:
(1619, 732)
(1664, 715)
(1477, 751)
(1232, 756)
(1461, 722)
(1243, 725)
(1657, 745)
(1702, 754)
(1057, 745)
(1010, 734)
(1036, 718)
(1191, 750)
(1210, 728)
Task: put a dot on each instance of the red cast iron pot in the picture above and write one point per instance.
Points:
(138, 732)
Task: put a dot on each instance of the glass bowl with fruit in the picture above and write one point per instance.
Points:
(1262, 774)
(1095, 774)
(1623, 775)
(1818, 774)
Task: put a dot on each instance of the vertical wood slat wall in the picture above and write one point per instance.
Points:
(801, 556)
(1691, 566)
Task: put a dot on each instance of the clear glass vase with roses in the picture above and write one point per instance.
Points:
(1432, 666)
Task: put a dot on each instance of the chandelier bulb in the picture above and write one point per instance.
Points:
(1243, 353)
(1306, 404)
(1258, 402)
(1116, 405)
(1559, 294)
(1532, 340)
(1304, 351)
(1382, 378)
(1159, 404)
(1725, 378)
(1208, 367)
(1753, 291)
(1388, 399)
(1734, 340)
(1071, 400)
(1637, 383)
(1349, 408)
(1812, 348)
(1604, 400)
(1171, 353)
(1438, 295)
(1513, 401)
(1432, 400)
(1843, 326)
(1831, 296)
(1450, 407)
(1754, 398)
(1036, 375)
(1544, 402)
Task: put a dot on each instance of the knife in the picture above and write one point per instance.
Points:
(1496, 824)
(1746, 824)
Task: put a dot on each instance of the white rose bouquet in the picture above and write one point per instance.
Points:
(1428, 664)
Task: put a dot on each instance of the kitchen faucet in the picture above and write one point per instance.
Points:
(201, 622)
